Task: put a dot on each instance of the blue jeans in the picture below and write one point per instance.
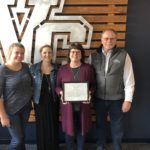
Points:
(17, 129)
(80, 139)
(114, 108)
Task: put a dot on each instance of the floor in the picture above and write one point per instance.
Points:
(126, 146)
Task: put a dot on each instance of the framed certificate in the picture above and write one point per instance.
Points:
(75, 91)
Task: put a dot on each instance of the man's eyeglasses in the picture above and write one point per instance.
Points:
(111, 39)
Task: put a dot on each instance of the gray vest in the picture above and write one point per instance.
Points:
(109, 86)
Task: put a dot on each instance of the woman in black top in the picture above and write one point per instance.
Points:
(15, 95)
(45, 99)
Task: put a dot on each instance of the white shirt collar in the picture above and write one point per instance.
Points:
(108, 53)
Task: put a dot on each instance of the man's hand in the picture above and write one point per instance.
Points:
(126, 106)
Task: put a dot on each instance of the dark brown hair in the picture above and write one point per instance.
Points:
(78, 46)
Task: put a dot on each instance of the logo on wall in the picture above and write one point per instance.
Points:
(35, 23)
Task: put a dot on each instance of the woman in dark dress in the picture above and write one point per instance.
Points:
(46, 102)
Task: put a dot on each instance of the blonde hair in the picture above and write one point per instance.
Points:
(44, 46)
(11, 48)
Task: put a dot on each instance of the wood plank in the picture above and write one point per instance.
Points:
(94, 10)
(106, 18)
(102, 27)
(95, 44)
(96, 2)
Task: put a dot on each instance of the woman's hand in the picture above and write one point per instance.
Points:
(61, 98)
(89, 99)
(5, 121)
(86, 102)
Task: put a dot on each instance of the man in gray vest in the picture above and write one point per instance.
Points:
(115, 87)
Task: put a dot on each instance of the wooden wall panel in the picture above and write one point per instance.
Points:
(102, 15)
(95, 10)
(105, 18)
(97, 2)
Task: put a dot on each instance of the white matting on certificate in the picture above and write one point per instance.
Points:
(76, 91)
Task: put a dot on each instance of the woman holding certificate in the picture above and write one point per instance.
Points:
(73, 80)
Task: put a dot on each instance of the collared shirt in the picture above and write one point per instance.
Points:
(128, 76)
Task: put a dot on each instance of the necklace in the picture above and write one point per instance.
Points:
(76, 73)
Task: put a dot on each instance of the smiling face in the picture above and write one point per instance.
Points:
(108, 40)
(16, 54)
(46, 54)
(75, 55)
